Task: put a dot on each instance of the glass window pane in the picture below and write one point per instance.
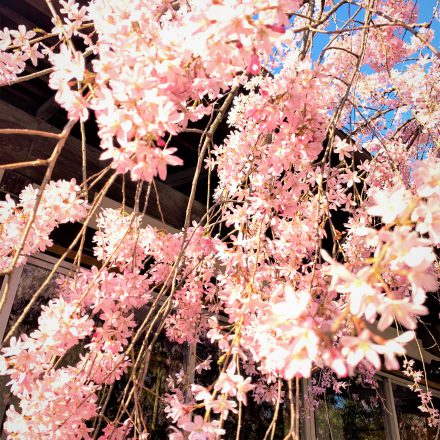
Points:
(32, 278)
(169, 358)
(256, 417)
(358, 414)
(413, 424)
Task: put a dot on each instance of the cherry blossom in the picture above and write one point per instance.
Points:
(60, 203)
(321, 233)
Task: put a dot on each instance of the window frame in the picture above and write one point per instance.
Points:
(390, 418)
(38, 259)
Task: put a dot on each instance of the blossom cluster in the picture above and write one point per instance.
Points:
(150, 78)
(320, 246)
(16, 47)
(60, 203)
(34, 363)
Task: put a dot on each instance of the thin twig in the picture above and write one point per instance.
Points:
(29, 163)
(30, 132)
(24, 78)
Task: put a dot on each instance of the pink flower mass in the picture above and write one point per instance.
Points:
(317, 251)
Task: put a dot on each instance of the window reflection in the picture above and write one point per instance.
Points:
(256, 417)
(169, 359)
(357, 414)
(31, 279)
(413, 423)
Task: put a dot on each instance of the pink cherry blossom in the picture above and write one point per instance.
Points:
(389, 204)
(222, 406)
(359, 348)
(322, 220)
(402, 310)
(21, 36)
(201, 430)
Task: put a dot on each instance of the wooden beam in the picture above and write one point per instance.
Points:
(172, 203)
(40, 5)
(48, 109)
(184, 176)
(17, 18)
(36, 12)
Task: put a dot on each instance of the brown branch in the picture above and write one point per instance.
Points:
(67, 252)
(208, 138)
(48, 35)
(409, 27)
(52, 161)
(30, 132)
(29, 163)
(21, 79)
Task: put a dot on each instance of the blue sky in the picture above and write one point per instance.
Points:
(425, 13)
(425, 8)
